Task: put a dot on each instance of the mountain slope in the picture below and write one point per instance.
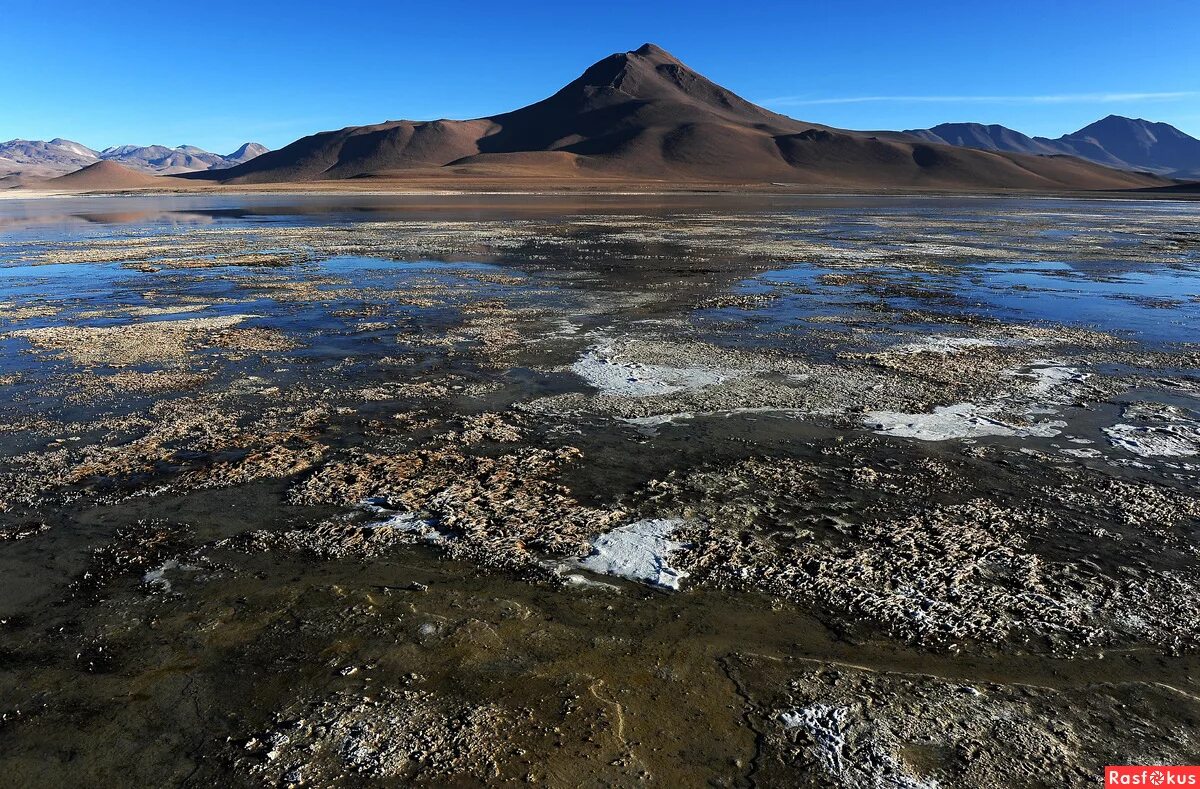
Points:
(643, 114)
(1115, 141)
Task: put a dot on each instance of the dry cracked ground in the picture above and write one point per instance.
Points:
(819, 492)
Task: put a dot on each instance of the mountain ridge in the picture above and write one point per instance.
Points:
(1133, 144)
(59, 156)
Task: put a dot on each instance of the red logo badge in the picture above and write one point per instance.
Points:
(1151, 776)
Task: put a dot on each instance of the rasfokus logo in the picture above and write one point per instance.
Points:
(1151, 775)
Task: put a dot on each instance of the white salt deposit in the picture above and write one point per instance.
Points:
(1165, 431)
(1082, 453)
(639, 551)
(603, 368)
(963, 420)
(826, 725)
(1051, 384)
(659, 420)
(944, 345)
(158, 576)
(649, 423)
(1162, 440)
(578, 579)
(1049, 377)
(402, 521)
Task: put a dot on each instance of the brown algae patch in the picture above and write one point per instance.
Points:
(925, 243)
(506, 510)
(16, 313)
(151, 342)
(187, 443)
(347, 536)
(84, 386)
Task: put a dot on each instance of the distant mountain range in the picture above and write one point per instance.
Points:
(1115, 141)
(40, 159)
(644, 115)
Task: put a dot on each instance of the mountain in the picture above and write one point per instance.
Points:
(992, 137)
(1115, 141)
(643, 115)
(185, 158)
(39, 159)
(160, 159)
(247, 152)
(1140, 144)
(104, 175)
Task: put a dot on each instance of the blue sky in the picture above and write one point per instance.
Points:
(218, 73)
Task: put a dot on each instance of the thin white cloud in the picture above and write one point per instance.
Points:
(1054, 98)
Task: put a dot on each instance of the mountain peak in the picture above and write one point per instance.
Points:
(649, 50)
(1119, 120)
(633, 70)
(651, 76)
(247, 151)
(984, 137)
(1121, 124)
(105, 174)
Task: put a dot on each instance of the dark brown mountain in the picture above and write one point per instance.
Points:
(643, 114)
